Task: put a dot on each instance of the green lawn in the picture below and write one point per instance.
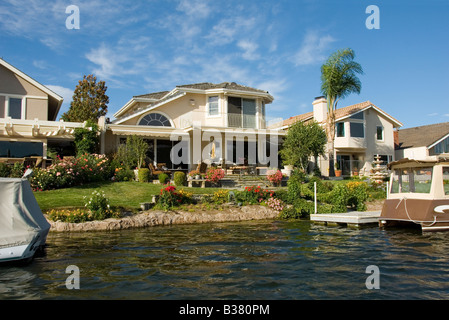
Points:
(128, 195)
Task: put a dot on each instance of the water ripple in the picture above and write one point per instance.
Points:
(246, 260)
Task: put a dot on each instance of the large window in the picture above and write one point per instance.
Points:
(15, 108)
(18, 149)
(442, 147)
(357, 130)
(241, 112)
(416, 180)
(213, 106)
(156, 120)
(446, 180)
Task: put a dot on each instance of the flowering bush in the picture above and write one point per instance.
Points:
(214, 175)
(98, 206)
(169, 198)
(274, 176)
(71, 171)
(275, 203)
(253, 195)
(221, 196)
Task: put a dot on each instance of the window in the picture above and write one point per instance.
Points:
(18, 149)
(213, 106)
(357, 130)
(241, 112)
(380, 133)
(15, 108)
(417, 180)
(446, 180)
(358, 116)
(386, 159)
(442, 147)
(340, 129)
(156, 120)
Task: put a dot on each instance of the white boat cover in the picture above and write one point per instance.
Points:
(21, 218)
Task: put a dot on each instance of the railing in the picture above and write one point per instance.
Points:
(241, 121)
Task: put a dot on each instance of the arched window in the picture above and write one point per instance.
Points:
(156, 120)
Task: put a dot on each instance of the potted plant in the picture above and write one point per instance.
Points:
(337, 170)
(195, 174)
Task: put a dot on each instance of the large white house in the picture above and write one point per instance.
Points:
(363, 131)
(222, 123)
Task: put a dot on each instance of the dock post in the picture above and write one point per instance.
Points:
(314, 196)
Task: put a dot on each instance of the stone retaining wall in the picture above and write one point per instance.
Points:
(157, 218)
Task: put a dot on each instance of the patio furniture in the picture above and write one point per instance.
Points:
(157, 171)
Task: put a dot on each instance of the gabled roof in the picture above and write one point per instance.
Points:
(57, 99)
(340, 114)
(423, 136)
(157, 99)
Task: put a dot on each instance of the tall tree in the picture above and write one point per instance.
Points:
(303, 140)
(338, 80)
(89, 101)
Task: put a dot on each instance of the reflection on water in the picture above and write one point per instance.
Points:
(246, 260)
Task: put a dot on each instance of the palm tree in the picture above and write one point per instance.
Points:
(338, 80)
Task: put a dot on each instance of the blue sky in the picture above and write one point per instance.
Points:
(139, 47)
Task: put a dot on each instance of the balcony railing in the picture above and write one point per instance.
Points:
(242, 121)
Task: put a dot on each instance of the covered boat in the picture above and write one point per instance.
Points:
(23, 227)
(418, 194)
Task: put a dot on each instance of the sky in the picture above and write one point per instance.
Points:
(139, 47)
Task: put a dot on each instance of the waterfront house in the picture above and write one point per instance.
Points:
(28, 111)
(363, 131)
(422, 142)
(220, 123)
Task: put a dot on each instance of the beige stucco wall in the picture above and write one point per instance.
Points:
(12, 85)
(36, 108)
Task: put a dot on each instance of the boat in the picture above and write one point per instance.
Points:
(23, 227)
(418, 194)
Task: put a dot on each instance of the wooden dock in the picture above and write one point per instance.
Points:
(350, 219)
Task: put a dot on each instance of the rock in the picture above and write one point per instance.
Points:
(158, 218)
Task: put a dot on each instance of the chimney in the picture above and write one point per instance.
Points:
(320, 109)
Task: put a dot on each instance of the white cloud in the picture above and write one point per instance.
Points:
(66, 93)
(250, 49)
(312, 49)
(227, 30)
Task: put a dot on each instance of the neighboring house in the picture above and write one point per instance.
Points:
(363, 131)
(209, 120)
(422, 142)
(28, 111)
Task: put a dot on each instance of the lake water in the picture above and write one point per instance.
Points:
(274, 260)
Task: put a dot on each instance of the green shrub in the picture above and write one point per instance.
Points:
(339, 197)
(123, 174)
(17, 170)
(144, 175)
(294, 183)
(163, 177)
(179, 178)
(98, 206)
(358, 194)
(4, 170)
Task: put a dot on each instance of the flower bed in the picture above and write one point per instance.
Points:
(70, 171)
